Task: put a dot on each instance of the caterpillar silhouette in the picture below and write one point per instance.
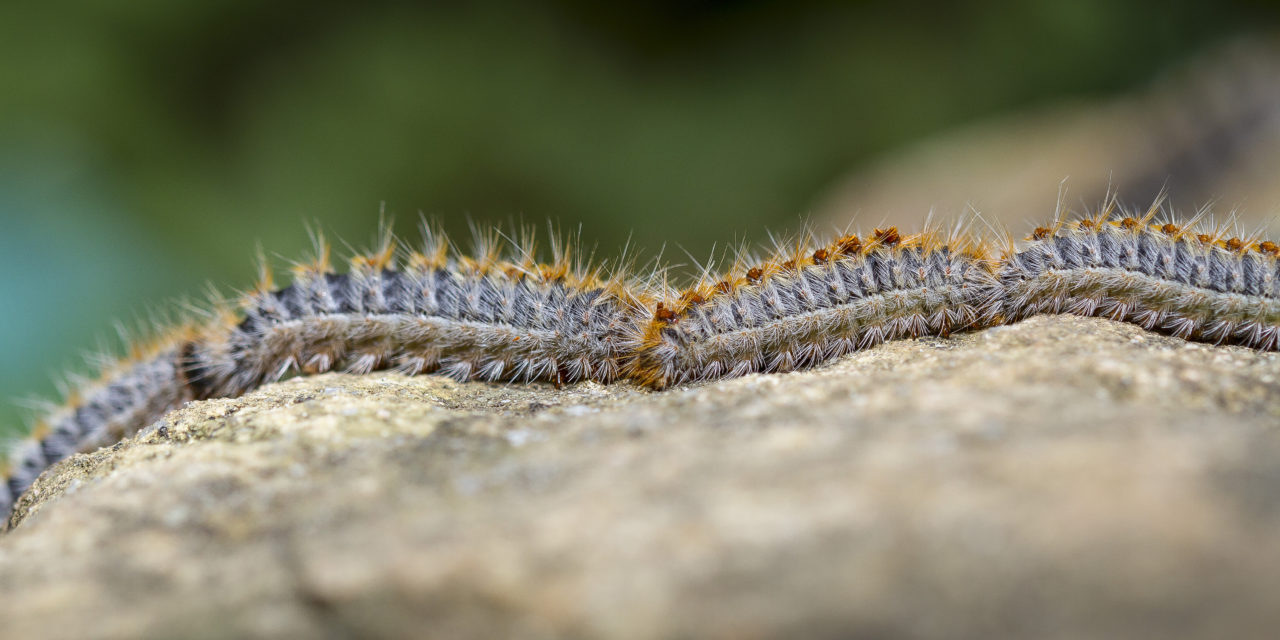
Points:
(501, 315)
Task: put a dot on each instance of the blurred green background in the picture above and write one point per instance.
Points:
(147, 146)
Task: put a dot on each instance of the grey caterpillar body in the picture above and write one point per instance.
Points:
(500, 315)
(1163, 279)
(819, 306)
(465, 325)
(133, 396)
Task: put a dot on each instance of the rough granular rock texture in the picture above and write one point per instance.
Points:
(1058, 478)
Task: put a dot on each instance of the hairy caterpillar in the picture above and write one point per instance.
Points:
(808, 305)
(500, 315)
(480, 318)
(1165, 277)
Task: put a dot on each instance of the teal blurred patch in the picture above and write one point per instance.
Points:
(71, 266)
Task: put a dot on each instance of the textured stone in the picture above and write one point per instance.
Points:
(1062, 477)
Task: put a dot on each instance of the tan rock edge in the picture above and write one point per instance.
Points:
(1062, 477)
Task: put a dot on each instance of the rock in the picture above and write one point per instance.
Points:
(1207, 131)
(1062, 477)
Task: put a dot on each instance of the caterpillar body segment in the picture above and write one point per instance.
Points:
(1193, 285)
(485, 326)
(796, 312)
(128, 397)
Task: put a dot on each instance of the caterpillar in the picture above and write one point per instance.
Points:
(498, 314)
(1164, 277)
(806, 305)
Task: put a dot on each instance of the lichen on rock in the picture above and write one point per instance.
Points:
(1059, 477)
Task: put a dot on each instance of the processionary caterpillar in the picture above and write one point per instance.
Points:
(501, 315)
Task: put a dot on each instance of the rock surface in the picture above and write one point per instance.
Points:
(1062, 477)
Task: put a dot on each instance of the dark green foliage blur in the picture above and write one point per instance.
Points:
(147, 146)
